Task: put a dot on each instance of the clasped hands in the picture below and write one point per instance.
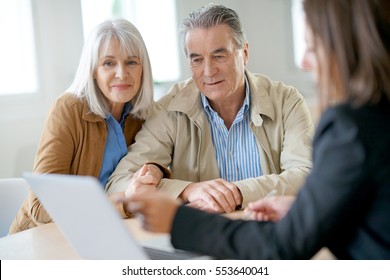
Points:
(218, 196)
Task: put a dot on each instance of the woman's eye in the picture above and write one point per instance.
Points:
(132, 62)
(108, 63)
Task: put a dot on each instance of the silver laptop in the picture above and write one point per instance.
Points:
(89, 221)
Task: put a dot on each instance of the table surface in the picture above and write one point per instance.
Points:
(47, 242)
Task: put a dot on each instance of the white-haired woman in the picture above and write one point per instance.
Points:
(90, 126)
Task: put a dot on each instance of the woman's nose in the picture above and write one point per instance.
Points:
(121, 72)
(305, 63)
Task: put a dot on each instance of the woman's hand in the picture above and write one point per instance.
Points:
(271, 208)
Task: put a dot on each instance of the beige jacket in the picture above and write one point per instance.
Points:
(72, 142)
(178, 135)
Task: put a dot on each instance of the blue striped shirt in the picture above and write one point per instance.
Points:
(238, 157)
(116, 147)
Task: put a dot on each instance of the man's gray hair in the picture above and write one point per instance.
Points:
(209, 16)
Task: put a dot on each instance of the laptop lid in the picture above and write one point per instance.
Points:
(89, 221)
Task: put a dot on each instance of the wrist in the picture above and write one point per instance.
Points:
(184, 194)
(164, 170)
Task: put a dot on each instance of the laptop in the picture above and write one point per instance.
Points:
(89, 221)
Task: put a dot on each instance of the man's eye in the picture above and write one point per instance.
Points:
(196, 60)
(220, 58)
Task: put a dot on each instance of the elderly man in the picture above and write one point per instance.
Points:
(227, 135)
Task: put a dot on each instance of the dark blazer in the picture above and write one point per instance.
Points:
(344, 204)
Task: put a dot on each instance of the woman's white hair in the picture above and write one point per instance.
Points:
(131, 43)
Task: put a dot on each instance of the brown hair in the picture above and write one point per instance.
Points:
(355, 35)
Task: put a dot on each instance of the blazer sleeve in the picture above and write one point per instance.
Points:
(329, 199)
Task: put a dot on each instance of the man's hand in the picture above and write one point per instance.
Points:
(145, 179)
(213, 196)
(271, 208)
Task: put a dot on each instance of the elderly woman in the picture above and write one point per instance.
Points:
(90, 126)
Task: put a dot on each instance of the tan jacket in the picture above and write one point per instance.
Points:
(178, 135)
(72, 142)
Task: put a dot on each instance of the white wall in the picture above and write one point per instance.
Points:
(58, 23)
(58, 29)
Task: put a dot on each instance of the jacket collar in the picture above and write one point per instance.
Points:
(261, 103)
(89, 116)
(187, 100)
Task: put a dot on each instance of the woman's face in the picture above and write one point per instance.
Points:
(310, 60)
(315, 61)
(118, 76)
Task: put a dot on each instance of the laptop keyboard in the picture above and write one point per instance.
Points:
(157, 254)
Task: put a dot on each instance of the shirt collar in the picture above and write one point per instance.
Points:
(126, 111)
(209, 110)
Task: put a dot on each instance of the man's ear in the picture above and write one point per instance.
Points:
(246, 53)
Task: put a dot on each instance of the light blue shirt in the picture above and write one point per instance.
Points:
(238, 157)
(116, 147)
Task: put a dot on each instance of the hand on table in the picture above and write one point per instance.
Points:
(213, 196)
(271, 208)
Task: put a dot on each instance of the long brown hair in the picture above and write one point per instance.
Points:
(355, 35)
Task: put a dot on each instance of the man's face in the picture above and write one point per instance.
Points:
(217, 65)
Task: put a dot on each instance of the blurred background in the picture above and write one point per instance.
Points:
(41, 44)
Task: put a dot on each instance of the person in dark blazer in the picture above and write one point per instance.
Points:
(345, 202)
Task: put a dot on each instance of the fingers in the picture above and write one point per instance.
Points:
(208, 204)
(236, 193)
(135, 207)
(154, 171)
(145, 179)
(142, 171)
(226, 195)
(138, 186)
(261, 216)
(198, 192)
(258, 205)
(270, 208)
(257, 216)
(134, 203)
(155, 210)
(258, 210)
(219, 200)
(220, 195)
(201, 205)
(150, 171)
